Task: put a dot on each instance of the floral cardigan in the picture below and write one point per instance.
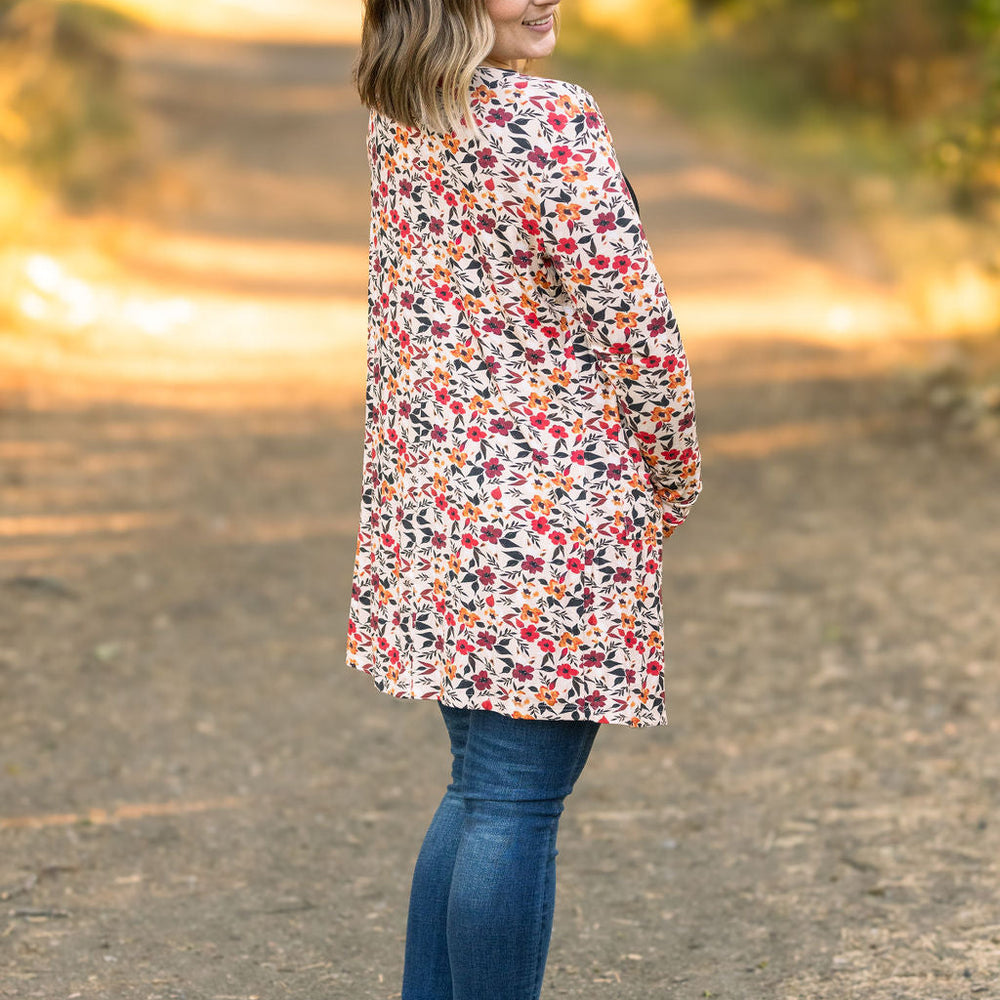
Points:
(530, 426)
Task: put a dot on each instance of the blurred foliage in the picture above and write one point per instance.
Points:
(635, 21)
(920, 75)
(886, 109)
(960, 384)
(63, 114)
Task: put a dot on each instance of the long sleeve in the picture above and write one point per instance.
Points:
(589, 226)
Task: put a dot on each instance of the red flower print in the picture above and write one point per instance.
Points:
(605, 221)
(532, 564)
(538, 156)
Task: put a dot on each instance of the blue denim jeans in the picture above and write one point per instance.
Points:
(483, 892)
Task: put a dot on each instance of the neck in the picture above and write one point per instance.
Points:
(498, 64)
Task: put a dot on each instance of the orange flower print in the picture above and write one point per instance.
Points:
(568, 213)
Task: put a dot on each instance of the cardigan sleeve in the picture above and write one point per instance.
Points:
(589, 227)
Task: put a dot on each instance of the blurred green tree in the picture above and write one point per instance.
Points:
(891, 55)
(928, 71)
(969, 152)
(63, 115)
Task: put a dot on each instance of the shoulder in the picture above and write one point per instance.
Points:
(506, 96)
(525, 92)
(548, 87)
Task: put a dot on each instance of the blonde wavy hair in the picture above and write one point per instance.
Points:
(417, 58)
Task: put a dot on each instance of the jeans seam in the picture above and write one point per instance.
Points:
(541, 952)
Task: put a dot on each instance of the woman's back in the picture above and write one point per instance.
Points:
(530, 427)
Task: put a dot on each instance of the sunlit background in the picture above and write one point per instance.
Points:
(197, 799)
(130, 230)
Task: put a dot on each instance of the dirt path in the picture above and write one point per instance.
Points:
(198, 800)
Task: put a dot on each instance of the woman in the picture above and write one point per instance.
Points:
(529, 441)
